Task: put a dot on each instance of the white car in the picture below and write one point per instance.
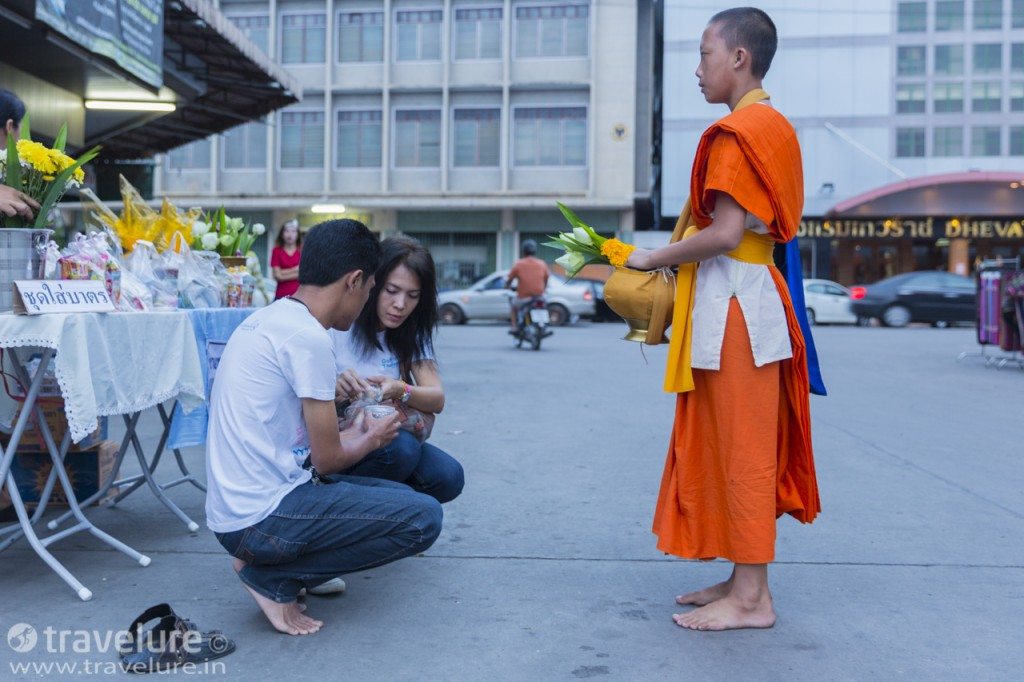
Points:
(488, 299)
(827, 302)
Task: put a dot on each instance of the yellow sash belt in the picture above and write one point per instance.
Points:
(754, 248)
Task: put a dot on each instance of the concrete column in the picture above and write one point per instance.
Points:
(959, 257)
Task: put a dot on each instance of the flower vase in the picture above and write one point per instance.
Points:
(21, 257)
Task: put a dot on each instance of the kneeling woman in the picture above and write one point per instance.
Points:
(391, 347)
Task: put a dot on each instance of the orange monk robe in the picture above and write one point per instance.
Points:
(753, 155)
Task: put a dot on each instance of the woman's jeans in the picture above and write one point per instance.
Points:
(322, 530)
(423, 467)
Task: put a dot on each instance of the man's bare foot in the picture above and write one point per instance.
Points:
(707, 595)
(729, 613)
(286, 618)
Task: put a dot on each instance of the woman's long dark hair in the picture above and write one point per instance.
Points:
(11, 109)
(279, 242)
(414, 339)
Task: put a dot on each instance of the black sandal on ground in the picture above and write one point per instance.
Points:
(173, 641)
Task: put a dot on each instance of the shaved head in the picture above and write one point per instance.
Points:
(752, 29)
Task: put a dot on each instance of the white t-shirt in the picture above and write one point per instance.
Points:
(257, 440)
(348, 356)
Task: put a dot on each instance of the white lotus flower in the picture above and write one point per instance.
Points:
(581, 235)
(258, 229)
(571, 261)
(199, 228)
(210, 241)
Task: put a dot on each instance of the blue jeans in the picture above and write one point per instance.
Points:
(322, 530)
(423, 467)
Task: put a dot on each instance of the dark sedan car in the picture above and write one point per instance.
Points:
(928, 296)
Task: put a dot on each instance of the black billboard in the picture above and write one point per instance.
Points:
(131, 32)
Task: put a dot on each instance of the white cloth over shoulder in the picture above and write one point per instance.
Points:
(112, 363)
(718, 280)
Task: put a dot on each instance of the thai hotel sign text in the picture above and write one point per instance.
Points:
(913, 228)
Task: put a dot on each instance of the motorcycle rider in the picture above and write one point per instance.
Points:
(531, 277)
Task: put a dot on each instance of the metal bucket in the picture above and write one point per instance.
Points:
(21, 257)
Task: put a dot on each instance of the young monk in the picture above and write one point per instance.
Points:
(740, 452)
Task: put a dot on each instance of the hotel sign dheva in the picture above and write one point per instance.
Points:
(913, 228)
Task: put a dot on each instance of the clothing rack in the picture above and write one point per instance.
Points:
(990, 275)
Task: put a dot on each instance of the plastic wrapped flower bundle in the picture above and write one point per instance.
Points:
(139, 222)
(43, 173)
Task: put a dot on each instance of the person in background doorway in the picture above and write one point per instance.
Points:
(284, 259)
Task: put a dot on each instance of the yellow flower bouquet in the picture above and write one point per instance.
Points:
(43, 173)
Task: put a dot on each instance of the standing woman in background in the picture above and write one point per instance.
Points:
(284, 259)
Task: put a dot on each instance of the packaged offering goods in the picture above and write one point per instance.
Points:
(240, 285)
(89, 256)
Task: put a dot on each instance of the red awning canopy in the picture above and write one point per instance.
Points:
(972, 192)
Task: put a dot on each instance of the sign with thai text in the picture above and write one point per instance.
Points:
(913, 228)
(39, 296)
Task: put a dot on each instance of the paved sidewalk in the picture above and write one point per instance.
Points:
(547, 570)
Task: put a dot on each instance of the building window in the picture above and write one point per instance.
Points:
(552, 31)
(988, 14)
(419, 35)
(359, 139)
(1017, 14)
(477, 137)
(1017, 96)
(985, 141)
(949, 15)
(1016, 140)
(303, 38)
(192, 156)
(302, 139)
(478, 33)
(361, 37)
(1017, 57)
(948, 97)
(948, 141)
(418, 138)
(949, 60)
(551, 136)
(909, 142)
(245, 146)
(988, 58)
(910, 98)
(910, 60)
(254, 27)
(911, 17)
(986, 96)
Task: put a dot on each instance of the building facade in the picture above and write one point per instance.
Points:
(459, 122)
(910, 116)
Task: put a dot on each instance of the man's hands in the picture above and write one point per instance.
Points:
(367, 434)
(13, 202)
(350, 386)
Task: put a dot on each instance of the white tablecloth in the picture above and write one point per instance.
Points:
(113, 363)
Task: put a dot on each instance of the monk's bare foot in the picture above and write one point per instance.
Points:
(729, 613)
(707, 595)
(287, 618)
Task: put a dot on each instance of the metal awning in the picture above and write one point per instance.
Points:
(221, 78)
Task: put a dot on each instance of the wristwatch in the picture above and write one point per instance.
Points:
(407, 393)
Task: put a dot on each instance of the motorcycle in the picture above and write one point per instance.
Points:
(533, 323)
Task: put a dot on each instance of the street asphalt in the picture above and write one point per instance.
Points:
(547, 569)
